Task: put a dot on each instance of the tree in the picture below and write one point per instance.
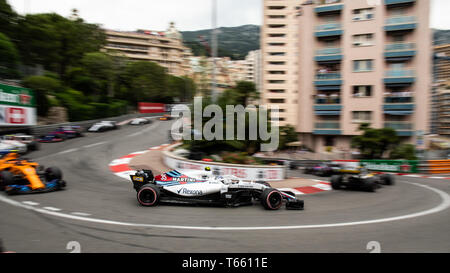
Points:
(43, 86)
(9, 58)
(8, 19)
(373, 143)
(245, 92)
(56, 42)
(287, 135)
(144, 81)
(404, 151)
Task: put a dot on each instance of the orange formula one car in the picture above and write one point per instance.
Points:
(21, 176)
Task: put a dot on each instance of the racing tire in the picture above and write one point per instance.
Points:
(52, 173)
(271, 199)
(336, 182)
(6, 178)
(387, 179)
(148, 195)
(370, 185)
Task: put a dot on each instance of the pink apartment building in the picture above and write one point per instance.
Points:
(359, 61)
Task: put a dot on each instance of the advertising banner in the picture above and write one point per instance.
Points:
(275, 173)
(148, 107)
(17, 106)
(398, 166)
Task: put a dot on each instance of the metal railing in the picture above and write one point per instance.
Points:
(399, 125)
(326, 27)
(327, 125)
(400, 73)
(328, 76)
(400, 46)
(328, 100)
(328, 51)
(401, 20)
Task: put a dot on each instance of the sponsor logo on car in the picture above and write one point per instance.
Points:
(190, 192)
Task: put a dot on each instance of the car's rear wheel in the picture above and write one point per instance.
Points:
(6, 178)
(370, 185)
(271, 199)
(336, 182)
(148, 195)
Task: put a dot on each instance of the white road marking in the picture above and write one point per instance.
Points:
(80, 214)
(68, 151)
(95, 144)
(52, 209)
(445, 204)
(126, 174)
(322, 187)
(31, 203)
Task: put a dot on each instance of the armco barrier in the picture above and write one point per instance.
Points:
(398, 166)
(437, 166)
(245, 172)
(42, 130)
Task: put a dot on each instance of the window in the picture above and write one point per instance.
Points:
(277, 90)
(277, 63)
(276, 44)
(276, 101)
(277, 7)
(363, 14)
(362, 91)
(277, 35)
(363, 39)
(277, 53)
(277, 72)
(277, 81)
(361, 116)
(277, 16)
(362, 65)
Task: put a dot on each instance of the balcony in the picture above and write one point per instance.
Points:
(398, 2)
(328, 79)
(400, 51)
(329, 30)
(327, 107)
(329, 55)
(327, 128)
(401, 104)
(402, 128)
(402, 23)
(399, 78)
(328, 6)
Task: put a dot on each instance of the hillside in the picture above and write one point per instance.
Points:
(234, 42)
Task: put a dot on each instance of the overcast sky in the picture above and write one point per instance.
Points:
(187, 14)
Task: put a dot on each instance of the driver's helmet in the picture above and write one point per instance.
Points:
(208, 169)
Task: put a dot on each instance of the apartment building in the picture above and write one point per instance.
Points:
(253, 68)
(363, 62)
(279, 50)
(164, 48)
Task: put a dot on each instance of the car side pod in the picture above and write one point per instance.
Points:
(295, 205)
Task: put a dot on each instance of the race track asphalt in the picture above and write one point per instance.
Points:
(99, 211)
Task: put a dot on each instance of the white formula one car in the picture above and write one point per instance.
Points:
(103, 126)
(204, 188)
(139, 121)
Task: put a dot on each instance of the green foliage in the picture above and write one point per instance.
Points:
(56, 42)
(43, 86)
(234, 42)
(373, 143)
(8, 19)
(287, 135)
(9, 58)
(404, 151)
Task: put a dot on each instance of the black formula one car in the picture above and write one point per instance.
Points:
(204, 188)
(322, 169)
(360, 179)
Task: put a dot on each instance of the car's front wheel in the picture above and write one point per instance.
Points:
(336, 182)
(271, 199)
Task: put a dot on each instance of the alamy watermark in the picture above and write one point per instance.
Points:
(241, 123)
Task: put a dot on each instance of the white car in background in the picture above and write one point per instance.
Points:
(139, 121)
(13, 145)
(103, 126)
